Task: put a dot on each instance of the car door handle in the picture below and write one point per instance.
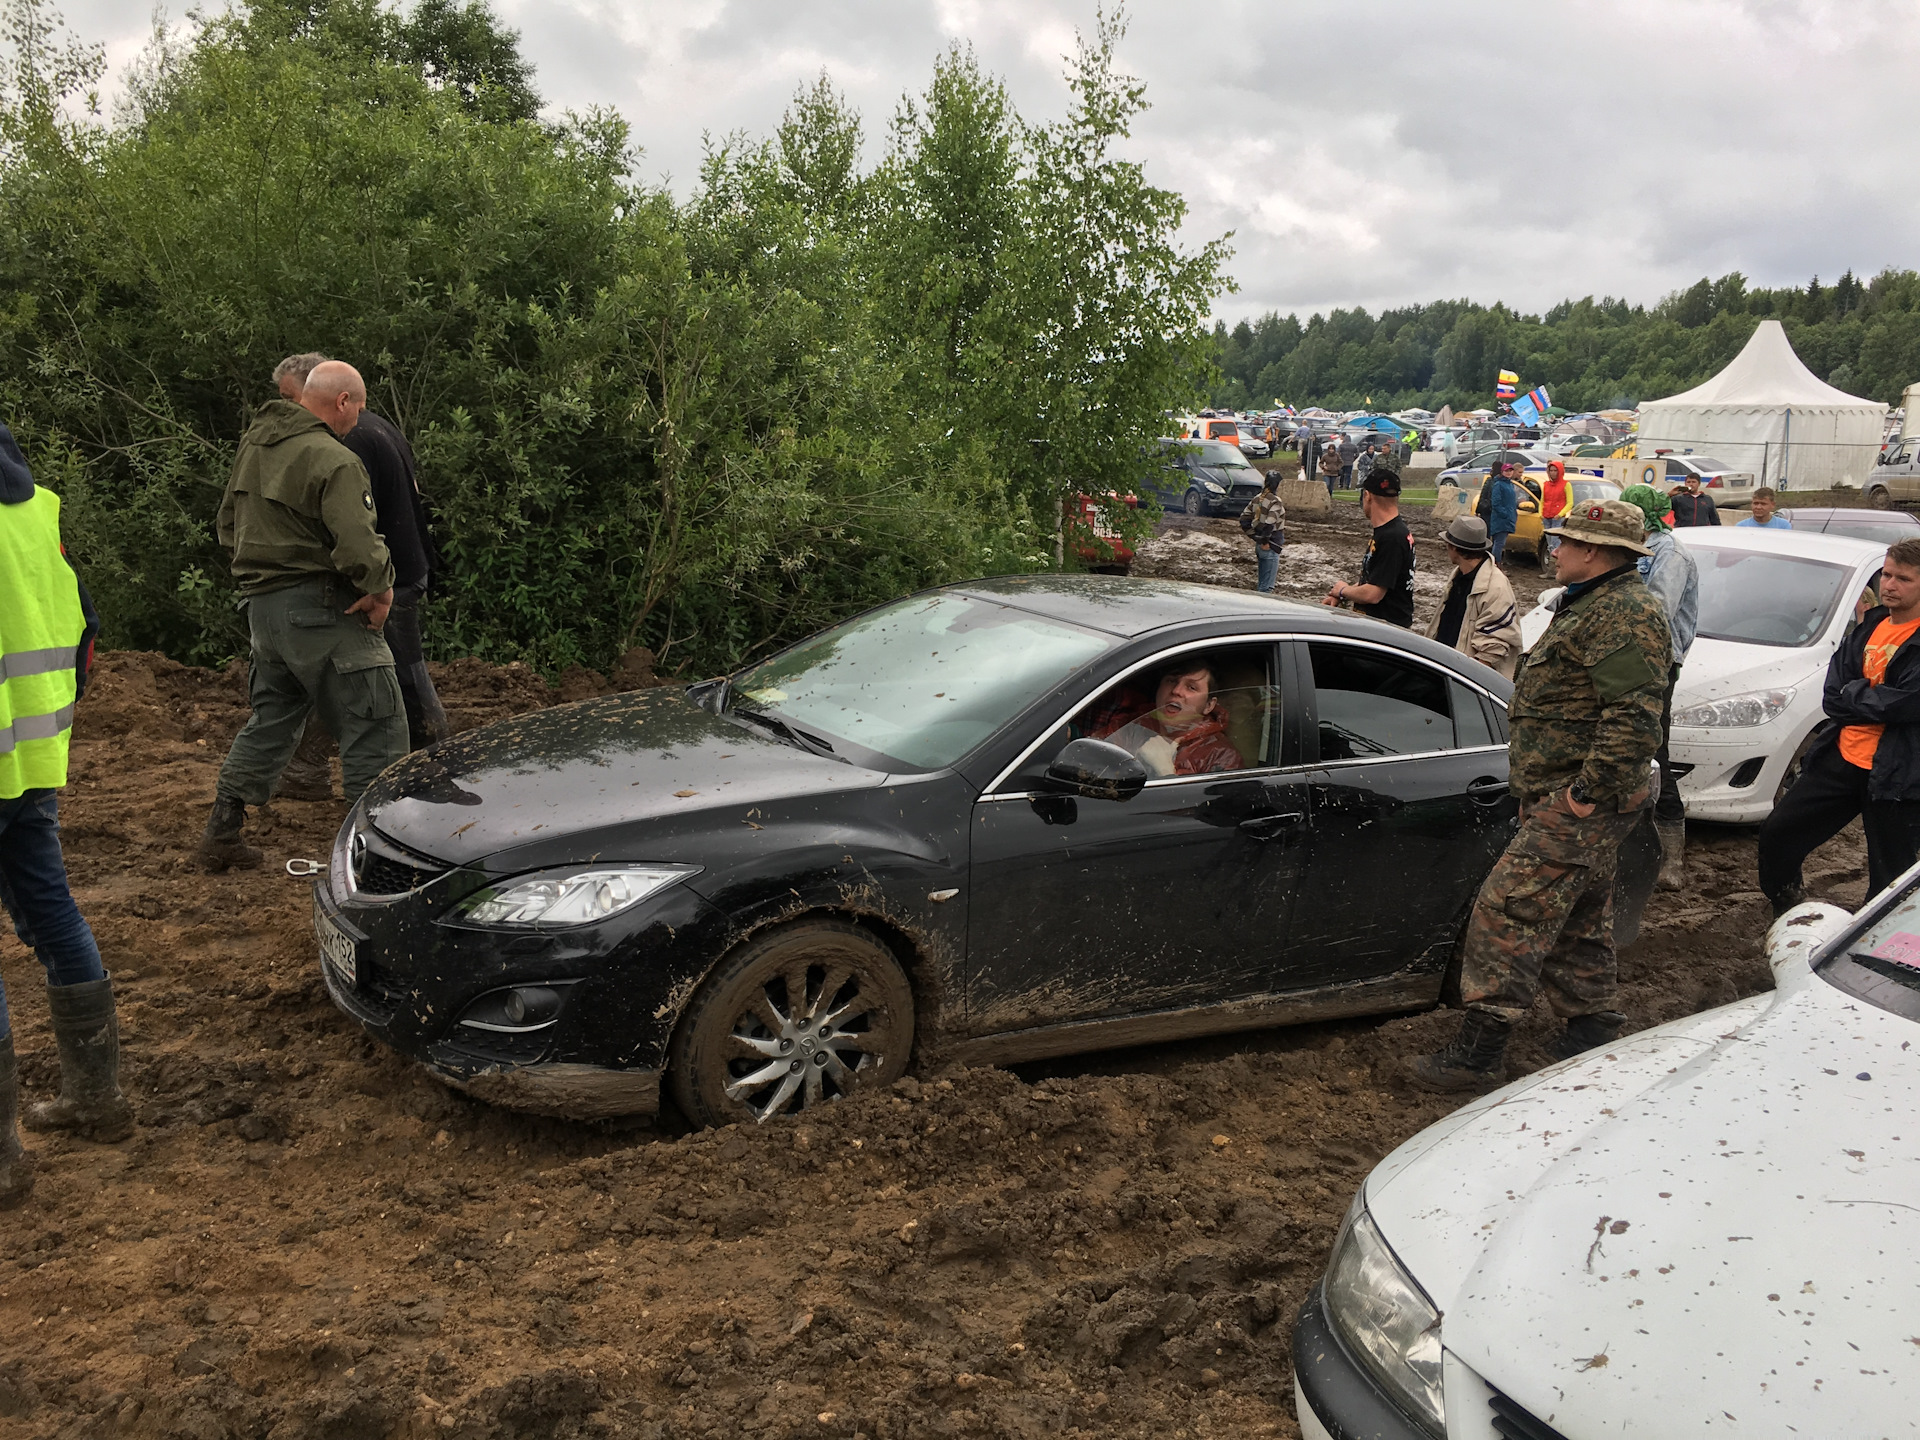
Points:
(1487, 790)
(1265, 827)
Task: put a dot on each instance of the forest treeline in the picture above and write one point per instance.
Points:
(703, 425)
(1591, 354)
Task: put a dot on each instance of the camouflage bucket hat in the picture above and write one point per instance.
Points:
(1608, 522)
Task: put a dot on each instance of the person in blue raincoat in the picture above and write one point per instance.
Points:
(1499, 505)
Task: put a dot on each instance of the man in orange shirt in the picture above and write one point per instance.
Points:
(1865, 760)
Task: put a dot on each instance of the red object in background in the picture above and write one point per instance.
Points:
(1095, 542)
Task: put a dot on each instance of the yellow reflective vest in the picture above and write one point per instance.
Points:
(41, 627)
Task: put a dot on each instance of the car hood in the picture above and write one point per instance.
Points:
(1234, 479)
(1715, 669)
(1715, 1218)
(587, 766)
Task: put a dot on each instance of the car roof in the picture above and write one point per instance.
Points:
(1121, 605)
(1130, 609)
(1830, 513)
(1844, 549)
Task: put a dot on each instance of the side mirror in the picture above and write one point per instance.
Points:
(1097, 770)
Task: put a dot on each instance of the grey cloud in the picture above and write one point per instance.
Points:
(1376, 154)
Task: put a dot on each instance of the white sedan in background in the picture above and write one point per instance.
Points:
(1774, 605)
(1710, 1228)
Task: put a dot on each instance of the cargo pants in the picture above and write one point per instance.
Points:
(1544, 916)
(310, 655)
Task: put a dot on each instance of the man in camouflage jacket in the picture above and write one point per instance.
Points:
(1585, 723)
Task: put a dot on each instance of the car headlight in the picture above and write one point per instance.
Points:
(1385, 1318)
(1756, 707)
(1216, 489)
(550, 902)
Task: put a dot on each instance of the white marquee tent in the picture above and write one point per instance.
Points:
(1766, 412)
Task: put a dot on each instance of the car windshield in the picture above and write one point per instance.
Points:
(1220, 455)
(920, 682)
(1766, 599)
(1880, 962)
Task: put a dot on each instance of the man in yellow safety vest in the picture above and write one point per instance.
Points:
(46, 645)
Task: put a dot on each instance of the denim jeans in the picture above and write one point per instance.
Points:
(1499, 546)
(1269, 565)
(33, 887)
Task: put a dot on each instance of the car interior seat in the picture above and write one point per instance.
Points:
(1246, 694)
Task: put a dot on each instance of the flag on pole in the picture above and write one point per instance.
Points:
(1508, 385)
(1532, 406)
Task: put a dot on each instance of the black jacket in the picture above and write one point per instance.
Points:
(399, 513)
(1895, 703)
(1698, 509)
(16, 487)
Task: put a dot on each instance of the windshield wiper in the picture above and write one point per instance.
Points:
(790, 733)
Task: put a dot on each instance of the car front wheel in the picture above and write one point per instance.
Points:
(794, 1018)
(1880, 498)
(1196, 507)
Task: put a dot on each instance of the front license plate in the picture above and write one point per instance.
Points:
(336, 948)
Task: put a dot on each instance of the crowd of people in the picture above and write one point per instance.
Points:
(1590, 721)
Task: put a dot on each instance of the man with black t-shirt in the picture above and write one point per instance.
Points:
(1385, 590)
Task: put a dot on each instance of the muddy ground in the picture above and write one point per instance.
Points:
(307, 1238)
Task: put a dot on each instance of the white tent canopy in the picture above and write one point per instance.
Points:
(1766, 412)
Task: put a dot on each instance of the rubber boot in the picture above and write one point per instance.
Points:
(1588, 1032)
(308, 776)
(16, 1166)
(88, 1035)
(1673, 853)
(1793, 895)
(1473, 1060)
(223, 845)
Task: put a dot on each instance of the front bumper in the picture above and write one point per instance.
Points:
(623, 983)
(1334, 1398)
(1724, 783)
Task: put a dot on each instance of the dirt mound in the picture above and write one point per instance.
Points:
(309, 1238)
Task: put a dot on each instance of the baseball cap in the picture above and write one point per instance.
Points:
(1383, 481)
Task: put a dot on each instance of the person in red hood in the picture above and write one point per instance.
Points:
(1185, 733)
(1556, 496)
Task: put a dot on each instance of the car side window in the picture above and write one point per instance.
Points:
(1197, 713)
(1369, 704)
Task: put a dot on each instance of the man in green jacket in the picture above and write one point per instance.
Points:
(298, 518)
(1585, 723)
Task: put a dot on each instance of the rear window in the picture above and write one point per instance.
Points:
(1219, 429)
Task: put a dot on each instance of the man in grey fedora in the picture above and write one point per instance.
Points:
(1477, 616)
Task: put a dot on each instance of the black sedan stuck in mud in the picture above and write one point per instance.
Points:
(992, 822)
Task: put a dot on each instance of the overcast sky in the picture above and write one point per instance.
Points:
(1366, 152)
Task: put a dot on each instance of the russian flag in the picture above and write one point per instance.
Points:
(1541, 400)
(1507, 386)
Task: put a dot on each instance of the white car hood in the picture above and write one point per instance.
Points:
(1715, 669)
(1715, 1223)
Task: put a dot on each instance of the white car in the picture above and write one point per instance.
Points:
(1708, 1228)
(1774, 605)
